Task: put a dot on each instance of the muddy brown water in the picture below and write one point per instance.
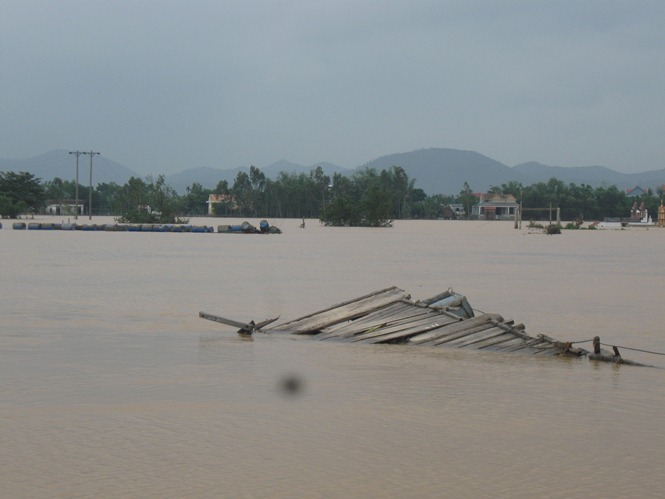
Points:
(111, 386)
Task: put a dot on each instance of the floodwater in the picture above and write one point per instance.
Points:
(111, 386)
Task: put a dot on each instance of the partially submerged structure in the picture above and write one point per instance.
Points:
(495, 206)
(248, 228)
(445, 320)
(639, 217)
(244, 228)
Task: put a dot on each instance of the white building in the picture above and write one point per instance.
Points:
(495, 206)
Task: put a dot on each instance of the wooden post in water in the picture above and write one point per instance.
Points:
(517, 214)
(617, 355)
(596, 345)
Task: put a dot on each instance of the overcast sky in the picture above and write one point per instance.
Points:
(166, 85)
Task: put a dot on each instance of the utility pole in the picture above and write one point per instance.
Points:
(91, 154)
(76, 209)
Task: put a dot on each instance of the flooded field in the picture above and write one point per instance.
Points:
(111, 386)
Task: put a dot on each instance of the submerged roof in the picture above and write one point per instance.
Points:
(447, 320)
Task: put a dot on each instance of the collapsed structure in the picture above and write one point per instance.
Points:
(445, 320)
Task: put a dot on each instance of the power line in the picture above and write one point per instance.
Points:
(619, 346)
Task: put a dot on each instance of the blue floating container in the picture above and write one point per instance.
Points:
(237, 229)
(18, 226)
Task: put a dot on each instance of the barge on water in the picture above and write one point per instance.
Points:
(445, 320)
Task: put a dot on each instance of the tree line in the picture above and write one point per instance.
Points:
(580, 201)
(366, 198)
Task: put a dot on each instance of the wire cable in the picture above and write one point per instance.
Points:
(618, 346)
(633, 349)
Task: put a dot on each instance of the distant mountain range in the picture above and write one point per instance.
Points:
(61, 164)
(435, 170)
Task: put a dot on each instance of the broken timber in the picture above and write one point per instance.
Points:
(245, 328)
(445, 320)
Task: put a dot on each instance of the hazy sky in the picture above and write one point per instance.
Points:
(166, 85)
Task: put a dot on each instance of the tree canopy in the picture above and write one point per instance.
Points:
(366, 198)
(20, 192)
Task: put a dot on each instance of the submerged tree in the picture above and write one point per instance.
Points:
(151, 202)
(194, 202)
(467, 198)
(19, 192)
(364, 200)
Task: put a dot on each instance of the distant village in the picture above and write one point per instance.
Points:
(367, 198)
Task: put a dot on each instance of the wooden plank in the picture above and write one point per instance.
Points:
(470, 341)
(524, 351)
(453, 329)
(384, 328)
(517, 330)
(405, 330)
(384, 292)
(391, 315)
(249, 327)
(506, 345)
(499, 340)
(529, 345)
(342, 312)
(223, 320)
(397, 325)
(452, 341)
(551, 350)
(404, 333)
(370, 322)
(378, 315)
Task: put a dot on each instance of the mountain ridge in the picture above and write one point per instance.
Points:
(435, 170)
